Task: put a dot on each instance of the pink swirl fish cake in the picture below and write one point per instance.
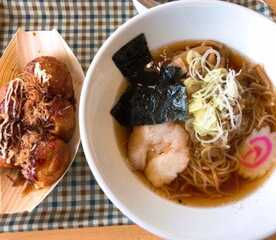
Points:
(258, 153)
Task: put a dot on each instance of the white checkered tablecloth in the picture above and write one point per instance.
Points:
(78, 200)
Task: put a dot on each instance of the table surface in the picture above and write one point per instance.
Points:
(126, 232)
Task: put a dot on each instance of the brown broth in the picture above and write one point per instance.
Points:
(236, 187)
(236, 59)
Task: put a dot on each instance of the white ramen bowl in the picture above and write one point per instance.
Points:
(253, 217)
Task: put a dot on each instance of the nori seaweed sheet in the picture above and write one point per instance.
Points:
(144, 105)
(131, 60)
(170, 74)
(152, 97)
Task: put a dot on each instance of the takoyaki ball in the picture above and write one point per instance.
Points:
(57, 117)
(35, 114)
(52, 75)
(62, 119)
(24, 158)
(6, 163)
(33, 90)
(8, 159)
(52, 158)
(12, 98)
(43, 159)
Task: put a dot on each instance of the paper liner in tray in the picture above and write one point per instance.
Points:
(24, 47)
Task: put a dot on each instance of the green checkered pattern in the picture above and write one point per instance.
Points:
(77, 201)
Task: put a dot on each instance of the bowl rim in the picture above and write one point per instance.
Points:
(89, 150)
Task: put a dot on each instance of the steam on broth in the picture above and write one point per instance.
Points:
(197, 121)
